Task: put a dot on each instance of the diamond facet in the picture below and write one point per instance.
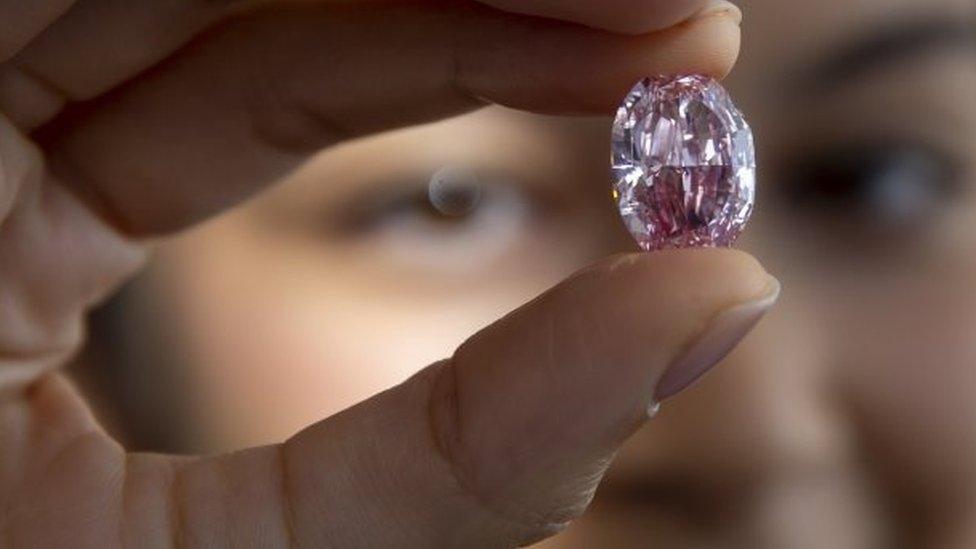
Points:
(684, 163)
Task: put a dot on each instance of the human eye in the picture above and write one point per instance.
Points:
(455, 218)
(873, 186)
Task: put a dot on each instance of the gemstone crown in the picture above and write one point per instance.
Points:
(683, 162)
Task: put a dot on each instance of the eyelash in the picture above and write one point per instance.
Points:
(447, 204)
(875, 181)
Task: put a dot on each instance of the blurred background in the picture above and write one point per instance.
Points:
(848, 419)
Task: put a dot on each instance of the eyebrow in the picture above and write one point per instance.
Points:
(888, 45)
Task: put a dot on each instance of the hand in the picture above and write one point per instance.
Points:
(123, 121)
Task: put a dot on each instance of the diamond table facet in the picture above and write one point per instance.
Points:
(684, 163)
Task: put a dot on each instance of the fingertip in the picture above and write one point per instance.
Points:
(538, 67)
(642, 17)
(530, 409)
(709, 42)
(719, 276)
(726, 44)
(623, 16)
(581, 361)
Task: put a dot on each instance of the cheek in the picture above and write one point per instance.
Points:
(923, 315)
(907, 360)
(275, 365)
(277, 338)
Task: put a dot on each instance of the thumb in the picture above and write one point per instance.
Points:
(506, 441)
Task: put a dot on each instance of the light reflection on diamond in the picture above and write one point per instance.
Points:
(684, 163)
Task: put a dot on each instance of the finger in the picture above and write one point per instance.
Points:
(629, 16)
(93, 47)
(81, 53)
(238, 110)
(506, 441)
(98, 44)
(21, 21)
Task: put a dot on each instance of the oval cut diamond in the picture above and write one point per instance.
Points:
(684, 163)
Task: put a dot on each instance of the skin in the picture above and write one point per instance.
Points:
(844, 420)
(104, 149)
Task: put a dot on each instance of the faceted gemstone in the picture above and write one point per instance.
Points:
(684, 163)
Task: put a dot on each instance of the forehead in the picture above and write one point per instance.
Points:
(780, 33)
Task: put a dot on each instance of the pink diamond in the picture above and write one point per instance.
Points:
(684, 163)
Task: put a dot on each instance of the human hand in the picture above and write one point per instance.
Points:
(126, 121)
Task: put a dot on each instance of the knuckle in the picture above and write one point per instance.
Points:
(501, 501)
(21, 167)
(283, 115)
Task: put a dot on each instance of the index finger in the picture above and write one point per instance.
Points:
(239, 109)
(628, 16)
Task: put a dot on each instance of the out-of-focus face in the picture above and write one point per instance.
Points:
(846, 420)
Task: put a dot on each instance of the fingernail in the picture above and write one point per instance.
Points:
(721, 7)
(722, 335)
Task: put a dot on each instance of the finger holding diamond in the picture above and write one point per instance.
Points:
(72, 48)
(240, 109)
(628, 16)
(503, 443)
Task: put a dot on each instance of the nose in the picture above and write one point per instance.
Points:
(760, 446)
(766, 408)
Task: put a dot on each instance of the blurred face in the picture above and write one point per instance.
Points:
(845, 420)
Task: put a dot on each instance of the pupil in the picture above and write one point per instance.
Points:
(454, 192)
